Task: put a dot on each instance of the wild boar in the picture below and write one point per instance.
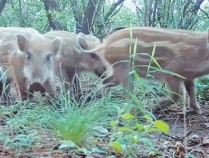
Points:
(28, 58)
(116, 29)
(183, 52)
(71, 61)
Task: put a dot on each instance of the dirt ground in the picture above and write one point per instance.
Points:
(196, 141)
(197, 138)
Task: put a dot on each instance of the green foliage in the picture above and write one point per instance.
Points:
(124, 17)
(73, 122)
(134, 132)
(126, 139)
(203, 87)
(22, 123)
(32, 13)
(72, 125)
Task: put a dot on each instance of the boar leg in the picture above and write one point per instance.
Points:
(120, 76)
(65, 80)
(75, 88)
(109, 82)
(174, 85)
(22, 88)
(191, 90)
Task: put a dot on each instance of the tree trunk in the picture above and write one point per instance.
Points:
(89, 16)
(112, 9)
(51, 7)
(21, 18)
(101, 22)
(78, 14)
(150, 12)
(146, 12)
(2, 5)
(154, 13)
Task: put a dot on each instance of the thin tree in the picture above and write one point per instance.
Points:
(51, 6)
(89, 16)
(2, 5)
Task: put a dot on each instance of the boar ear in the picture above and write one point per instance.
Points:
(82, 41)
(56, 45)
(22, 42)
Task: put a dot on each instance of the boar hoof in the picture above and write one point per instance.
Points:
(197, 110)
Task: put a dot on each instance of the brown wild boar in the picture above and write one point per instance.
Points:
(28, 58)
(179, 51)
(87, 41)
(71, 61)
(116, 29)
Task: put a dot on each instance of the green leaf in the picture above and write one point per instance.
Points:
(67, 145)
(136, 75)
(113, 123)
(127, 116)
(125, 129)
(152, 130)
(153, 59)
(133, 138)
(151, 115)
(173, 74)
(83, 151)
(190, 156)
(162, 126)
(112, 156)
(117, 146)
(139, 126)
(98, 150)
(146, 141)
(148, 117)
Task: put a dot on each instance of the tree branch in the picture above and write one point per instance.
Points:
(50, 7)
(112, 9)
(89, 16)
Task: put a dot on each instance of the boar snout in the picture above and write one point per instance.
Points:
(100, 72)
(36, 87)
(109, 81)
(36, 75)
(99, 67)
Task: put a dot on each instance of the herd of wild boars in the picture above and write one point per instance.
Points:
(31, 60)
(31, 57)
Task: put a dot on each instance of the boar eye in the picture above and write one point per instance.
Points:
(48, 57)
(94, 56)
(28, 56)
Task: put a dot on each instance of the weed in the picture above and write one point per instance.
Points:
(74, 122)
(129, 134)
(202, 87)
